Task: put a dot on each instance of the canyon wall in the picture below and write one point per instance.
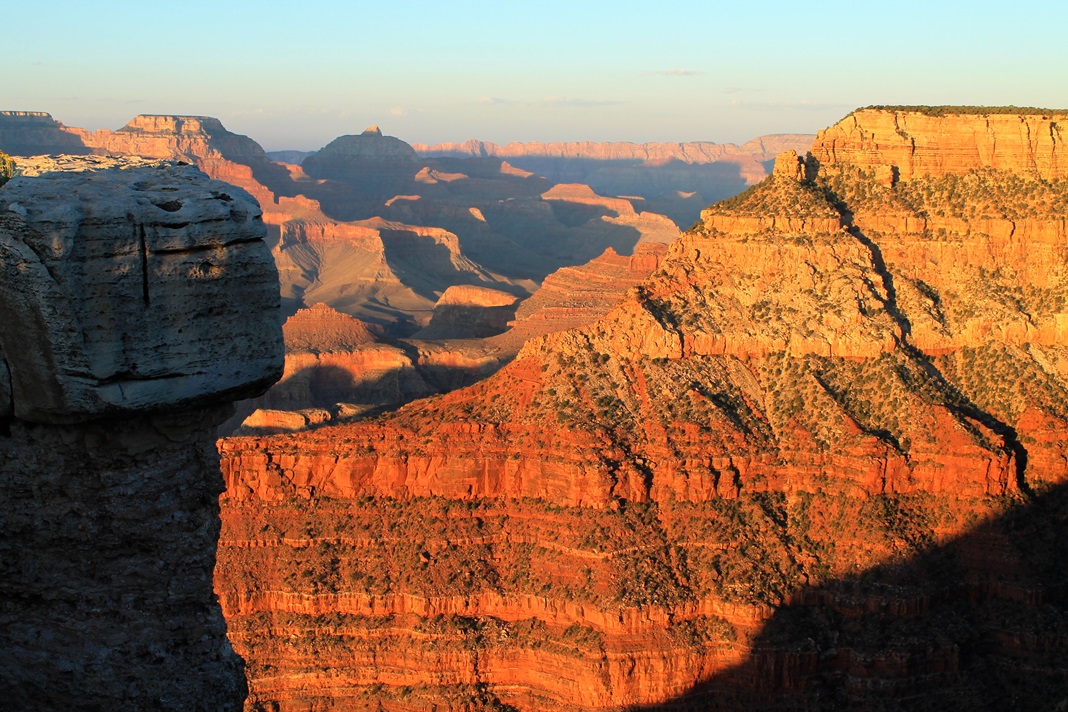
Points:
(137, 301)
(675, 179)
(816, 460)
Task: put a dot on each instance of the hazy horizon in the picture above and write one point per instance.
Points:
(294, 79)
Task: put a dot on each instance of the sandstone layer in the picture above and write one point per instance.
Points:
(919, 142)
(138, 300)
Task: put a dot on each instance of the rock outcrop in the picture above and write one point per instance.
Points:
(467, 312)
(321, 329)
(792, 469)
(137, 300)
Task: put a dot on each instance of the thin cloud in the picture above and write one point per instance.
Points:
(398, 111)
(677, 72)
(566, 101)
(571, 101)
(782, 105)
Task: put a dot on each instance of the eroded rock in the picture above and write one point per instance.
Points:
(137, 300)
(119, 277)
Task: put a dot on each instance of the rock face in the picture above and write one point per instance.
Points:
(138, 300)
(924, 142)
(27, 133)
(818, 460)
(470, 312)
(73, 347)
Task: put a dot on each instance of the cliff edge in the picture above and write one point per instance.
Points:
(137, 300)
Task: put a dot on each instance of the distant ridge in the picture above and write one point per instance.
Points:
(761, 148)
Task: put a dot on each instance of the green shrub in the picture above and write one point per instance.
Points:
(980, 110)
(7, 168)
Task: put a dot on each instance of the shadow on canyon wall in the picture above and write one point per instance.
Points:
(979, 623)
(338, 391)
(37, 133)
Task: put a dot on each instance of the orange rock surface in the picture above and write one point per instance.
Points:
(816, 460)
(919, 144)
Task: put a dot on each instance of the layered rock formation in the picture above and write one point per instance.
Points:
(470, 312)
(795, 468)
(919, 142)
(138, 300)
(382, 272)
(337, 369)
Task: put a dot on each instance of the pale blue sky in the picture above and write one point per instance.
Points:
(505, 71)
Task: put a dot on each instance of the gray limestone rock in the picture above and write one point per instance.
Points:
(137, 301)
(128, 286)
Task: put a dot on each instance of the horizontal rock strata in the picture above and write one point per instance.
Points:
(816, 460)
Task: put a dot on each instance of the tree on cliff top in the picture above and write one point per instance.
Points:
(7, 168)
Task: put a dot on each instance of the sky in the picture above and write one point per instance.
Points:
(449, 70)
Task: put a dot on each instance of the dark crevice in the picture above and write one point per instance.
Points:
(888, 281)
(171, 206)
(954, 397)
(144, 266)
(964, 406)
(203, 248)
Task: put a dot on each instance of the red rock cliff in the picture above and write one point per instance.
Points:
(759, 480)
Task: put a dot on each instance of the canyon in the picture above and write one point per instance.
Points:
(411, 245)
(817, 459)
(408, 246)
(810, 454)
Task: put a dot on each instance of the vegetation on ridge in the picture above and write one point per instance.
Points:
(953, 110)
(980, 193)
(777, 196)
(7, 168)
